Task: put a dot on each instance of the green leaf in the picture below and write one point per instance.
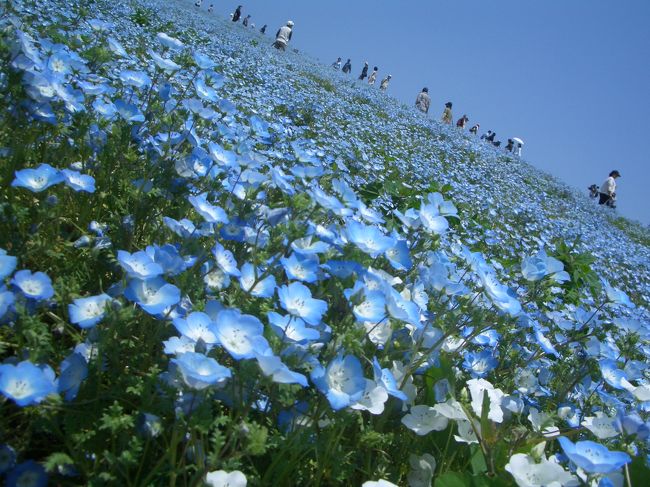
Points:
(453, 479)
(478, 461)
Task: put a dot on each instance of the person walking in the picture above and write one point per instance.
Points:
(245, 21)
(237, 14)
(384, 83)
(198, 3)
(462, 121)
(608, 190)
(373, 76)
(474, 129)
(283, 36)
(447, 116)
(337, 64)
(364, 71)
(347, 67)
(423, 101)
(263, 29)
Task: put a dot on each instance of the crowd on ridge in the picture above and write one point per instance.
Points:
(606, 192)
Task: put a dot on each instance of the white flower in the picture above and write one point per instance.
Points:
(527, 473)
(543, 423)
(423, 419)
(221, 478)
(600, 425)
(467, 432)
(422, 469)
(477, 387)
(378, 483)
(373, 399)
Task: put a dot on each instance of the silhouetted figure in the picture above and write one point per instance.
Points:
(447, 116)
(283, 36)
(236, 16)
(263, 29)
(337, 64)
(384, 83)
(474, 129)
(198, 3)
(364, 71)
(423, 101)
(347, 67)
(245, 21)
(510, 145)
(210, 8)
(462, 121)
(373, 76)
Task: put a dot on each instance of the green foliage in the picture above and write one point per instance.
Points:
(579, 266)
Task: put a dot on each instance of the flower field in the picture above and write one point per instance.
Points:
(226, 265)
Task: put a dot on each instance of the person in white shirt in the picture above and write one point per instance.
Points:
(283, 36)
(608, 189)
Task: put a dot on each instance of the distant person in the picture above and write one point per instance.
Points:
(384, 83)
(423, 101)
(462, 121)
(474, 129)
(283, 36)
(510, 145)
(198, 3)
(373, 76)
(337, 64)
(490, 136)
(210, 8)
(245, 21)
(252, 25)
(347, 67)
(364, 71)
(447, 116)
(608, 190)
(237, 14)
(263, 29)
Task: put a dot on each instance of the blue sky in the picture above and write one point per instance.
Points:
(570, 77)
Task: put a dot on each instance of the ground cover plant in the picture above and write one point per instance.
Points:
(223, 265)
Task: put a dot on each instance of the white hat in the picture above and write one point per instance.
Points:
(290, 23)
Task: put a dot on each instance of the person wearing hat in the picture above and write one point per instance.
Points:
(373, 76)
(474, 129)
(462, 121)
(347, 67)
(237, 14)
(364, 71)
(447, 117)
(283, 36)
(384, 83)
(608, 190)
(337, 64)
(245, 21)
(422, 102)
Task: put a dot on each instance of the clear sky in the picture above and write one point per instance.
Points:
(570, 77)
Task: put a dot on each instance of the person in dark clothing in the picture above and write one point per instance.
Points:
(608, 190)
(263, 29)
(245, 21)
(237, 15)
(364, 71)
(347, 67)
(474, 129)
(490, 138)
(462, 121)
(510, 145)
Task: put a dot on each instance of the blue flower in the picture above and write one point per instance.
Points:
(290, 328)
(386, 379)
(7, 458)
(211, 213)
(371, 306)
(432, 220)
(614, 376)
(541, 265)
(342, 382)
(225, 260)
(129, 111)
(169, 42)
(39, 179)
(296, 299)
(241, 335)
(7, 300)
(300, 267)
(307, 246)
(27, 474)
(200, 372)
(278, 371)
(480, 364)
(168, 258)
(203, 61)
(87, 312)
(153, 295)
(139, 265)
(7, 264)
(138, 79)
(369, 238)
(163, 63)
(197, 326)
(36, 286)
(115, 46)
(593, 457)
(78, 181)
(183, 228)
(74, 370)
(399, 257)
(248, 281)
(25, 383)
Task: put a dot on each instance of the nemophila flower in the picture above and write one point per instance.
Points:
(424, 419)
(386, 379)
(100, 25)
(541, 422)
(202, 61)
(616, 296)
(197, 326)
(273, 367)
(342, 268)
(291, 328)
(163, 63)
(410, 218)
(7, 264)
(368, 238)
(502, 297)
(78, 181)
(541, 265)
(402, 309)
(38, 179)
(169, 42)
(106, 109)
(342, 381)
(115, 47)
(614, 376)
(477, 388)
(27, 474)
(211, 213)
(378, 483)
(200, 372)
(593, 457)
(183, 228)
(601, 425)
(300, 267)
(138, 265)
(37, 285)
(7, 300)
(87, 312)
(27, 384)
(226, 260)
(373, 398)
(153, 295)
(221, 478)
(251, 282)
(241, 335)
(328, 202)
(296, 299)
(7, 458)
(370, 305)
(528, 473)
(432, 220)
(167, 256)
(481, 363)
(399, 257)
(137, 79)
(204, 91)
(74, 370)
(129, 111)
